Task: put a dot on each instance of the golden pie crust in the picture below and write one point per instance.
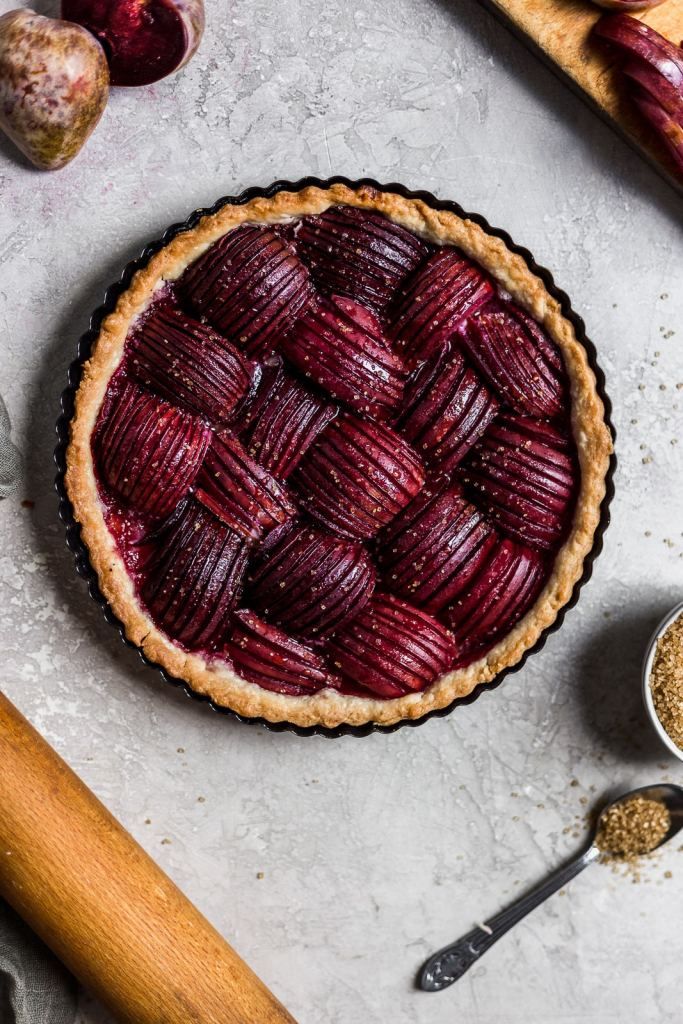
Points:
(215, 678)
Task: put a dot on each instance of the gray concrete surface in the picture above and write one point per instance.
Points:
(373, 852)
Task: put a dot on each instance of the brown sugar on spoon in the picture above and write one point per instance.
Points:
(630, 830)
(666, 681)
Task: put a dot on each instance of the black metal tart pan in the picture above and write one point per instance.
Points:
(85, 344)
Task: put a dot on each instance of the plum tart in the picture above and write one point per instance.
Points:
(337, 457)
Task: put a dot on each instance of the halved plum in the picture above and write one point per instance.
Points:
(188, 363)
(244, 495)
(144, 40)
(250, 286)
(517, 357)
(312, 583)
(435, 546)
(435, 300)
(283, 421)
(265, 655)
(357, 476)
(524, 471)
(359, 253)
(341, 345)
(149, 452)
(508, 583)
(447, 407)
(392, 648)
(195, 576)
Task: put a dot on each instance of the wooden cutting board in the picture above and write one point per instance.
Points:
(558, 31)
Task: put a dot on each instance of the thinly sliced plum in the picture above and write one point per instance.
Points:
(263, 654)
(448, 407)
(645, 79)
(250, 286)
(341, 345)
(283, 421)
(628, 5)
(357, 476)
(195, 577)
(515, 356)
(634, 38)
(392, 648)
(244, 495)
(508, 583)
(669, 128)
(433, 548)
(436, 299)
(654, 73)
(312, 583)
(359, 253)
(424, 375)
(524, 472)
(188, 363)
(149, 451)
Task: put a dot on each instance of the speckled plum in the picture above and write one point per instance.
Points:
(54, 86)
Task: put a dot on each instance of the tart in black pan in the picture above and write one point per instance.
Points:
(335, 456)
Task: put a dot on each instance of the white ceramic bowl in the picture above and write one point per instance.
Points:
(647, 670)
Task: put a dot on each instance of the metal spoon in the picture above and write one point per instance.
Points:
(451, 962)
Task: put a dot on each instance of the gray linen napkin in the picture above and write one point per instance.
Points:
(10, 461)
(34, 987)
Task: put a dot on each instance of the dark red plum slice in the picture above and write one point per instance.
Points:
(648, 80)
(357, 476)
(250, 286)
(150, 452)
(244, 495)
(189, 364)
(448, 407)
(433, 548)
(392, 649)
(359, 253)
(341, 346)
(312, 583)
(264, 654)
(639, 41)
(517, 358)
(283, 421)
(524, 472)
(435, 300)
(505, 588)
(195, 578)
(144, 40)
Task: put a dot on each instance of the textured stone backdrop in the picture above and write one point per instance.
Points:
(372, 852)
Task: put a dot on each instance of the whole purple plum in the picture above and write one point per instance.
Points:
(54, 86)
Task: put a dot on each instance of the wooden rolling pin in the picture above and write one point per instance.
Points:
(103, 906)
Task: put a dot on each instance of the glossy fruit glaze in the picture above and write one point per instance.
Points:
(336, 456)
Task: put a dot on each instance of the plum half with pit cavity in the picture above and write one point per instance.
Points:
(144, 40)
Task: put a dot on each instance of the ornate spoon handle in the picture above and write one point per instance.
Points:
(451, 962)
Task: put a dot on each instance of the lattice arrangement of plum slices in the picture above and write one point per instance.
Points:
(336, 456)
